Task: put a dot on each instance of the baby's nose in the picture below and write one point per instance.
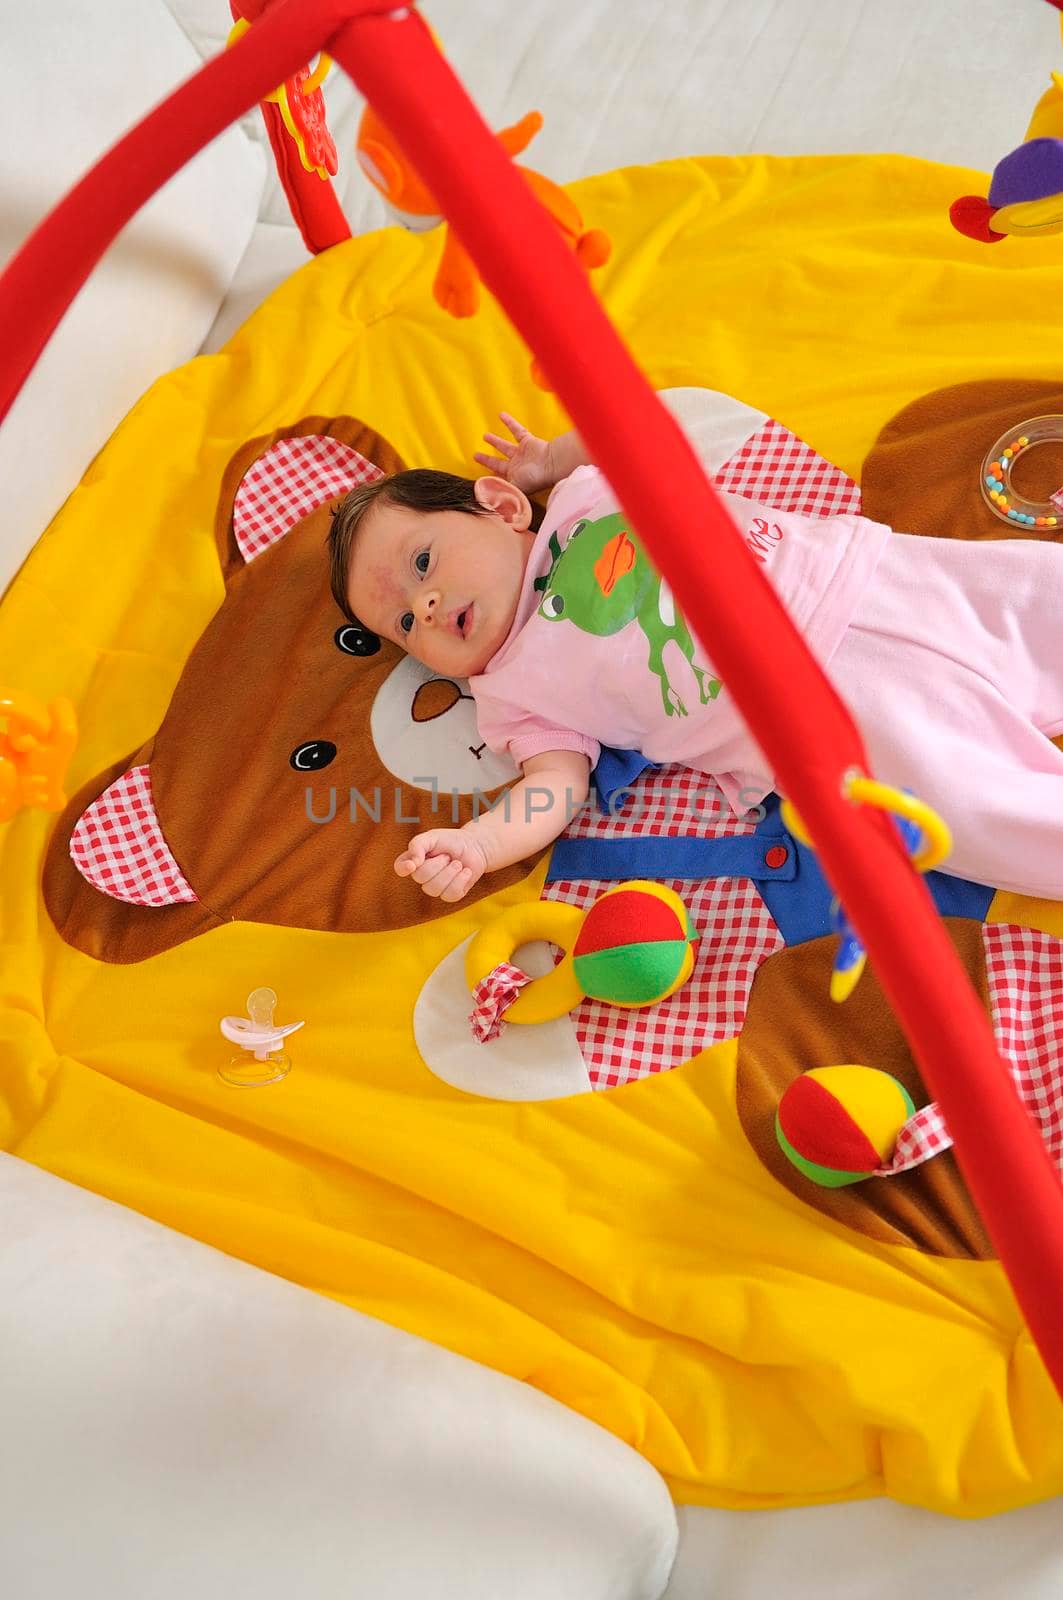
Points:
(428, 604)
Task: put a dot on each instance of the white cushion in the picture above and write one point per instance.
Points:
(867, 1550)
(179, 1423)
(76, 78)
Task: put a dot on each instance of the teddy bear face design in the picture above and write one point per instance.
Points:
(265, 796)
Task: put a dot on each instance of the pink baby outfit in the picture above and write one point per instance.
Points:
(945, 652)
(555, 685)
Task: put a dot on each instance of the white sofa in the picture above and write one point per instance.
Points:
(176, 1422)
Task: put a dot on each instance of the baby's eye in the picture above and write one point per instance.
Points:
(420, 561)
(406, 621)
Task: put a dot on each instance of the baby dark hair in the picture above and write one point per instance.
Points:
(420, 489)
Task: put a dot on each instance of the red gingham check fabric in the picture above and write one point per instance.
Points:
(490, 998)
(737, 930)
(1024, 967)
(620, 1044)
(288, 481)
(1025, 971)
(119, 847)
(923, 1135)
(779, 469)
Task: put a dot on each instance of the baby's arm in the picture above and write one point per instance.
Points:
(446, 862)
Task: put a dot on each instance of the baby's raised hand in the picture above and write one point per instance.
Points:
(446, 862)
(527, 464)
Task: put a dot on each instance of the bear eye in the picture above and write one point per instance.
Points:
(354, 640)
(313, 756)
(553, 605)
(420, 561)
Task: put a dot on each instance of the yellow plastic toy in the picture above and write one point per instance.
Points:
(633, 947)
(36, 743)
(926, 837)
(302, 111)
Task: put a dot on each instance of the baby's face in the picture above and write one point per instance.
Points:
(443, 585)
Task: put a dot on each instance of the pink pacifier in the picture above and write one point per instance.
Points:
(261, 1059)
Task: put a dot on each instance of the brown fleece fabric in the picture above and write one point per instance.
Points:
(924, 471)
(792, 1025)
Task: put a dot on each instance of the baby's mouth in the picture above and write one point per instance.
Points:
(465, 621)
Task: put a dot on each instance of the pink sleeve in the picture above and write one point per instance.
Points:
(508, 729)
(540, 738)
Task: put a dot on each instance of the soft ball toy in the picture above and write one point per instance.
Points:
(633, 947)
(838, 1125)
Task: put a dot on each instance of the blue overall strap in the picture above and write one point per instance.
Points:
(786, 872)
(766, 854)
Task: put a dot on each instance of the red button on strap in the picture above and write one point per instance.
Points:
(777, 856)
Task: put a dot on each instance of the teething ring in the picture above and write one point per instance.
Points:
(865, 791)
(633, 947)
(302, 110)
(544, 998)
(997, 491)
(919, 826)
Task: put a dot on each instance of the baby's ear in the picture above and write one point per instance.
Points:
(505, 500)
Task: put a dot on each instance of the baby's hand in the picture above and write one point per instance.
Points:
(446, 862)
(528, 464)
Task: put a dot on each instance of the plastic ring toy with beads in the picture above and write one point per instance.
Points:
(997, 490)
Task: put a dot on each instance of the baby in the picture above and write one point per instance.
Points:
(947, 653)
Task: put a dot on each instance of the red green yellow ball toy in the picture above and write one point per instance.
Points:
(838, 1125)
(633, 947)
(636, 945)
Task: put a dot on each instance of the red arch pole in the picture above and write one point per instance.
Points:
(793, 710)
(312, 200)
(42, 279)
(791, 707)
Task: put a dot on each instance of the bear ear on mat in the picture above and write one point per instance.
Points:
(222, 815)
(923, 473)
(275, 481)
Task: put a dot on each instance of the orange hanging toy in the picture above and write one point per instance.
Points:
(35, 748)
(457, 281)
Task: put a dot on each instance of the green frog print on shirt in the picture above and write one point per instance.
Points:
(601, 580)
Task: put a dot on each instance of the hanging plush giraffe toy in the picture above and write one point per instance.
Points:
(457, 280)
